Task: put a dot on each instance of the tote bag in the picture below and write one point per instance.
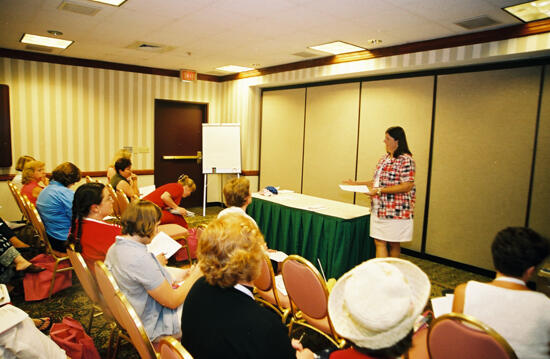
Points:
(37, 285)
(71, 337)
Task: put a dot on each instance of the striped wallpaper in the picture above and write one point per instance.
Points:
(72, 113)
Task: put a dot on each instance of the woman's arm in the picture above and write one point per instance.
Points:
(173, 298)
(169, 201)
(125, 187)
(134, 184)
(358, 183)
(458, 301)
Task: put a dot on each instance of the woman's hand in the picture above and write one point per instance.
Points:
(349, 181)
(182, 211)
(162, 259)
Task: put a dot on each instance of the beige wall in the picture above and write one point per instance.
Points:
(482, 157)
(539, 218)
(332, 114)
(282, 139)
(399, 102)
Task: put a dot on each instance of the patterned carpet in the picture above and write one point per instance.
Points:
(73, 301)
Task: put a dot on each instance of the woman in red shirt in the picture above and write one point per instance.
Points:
(168, 198)
(34, 180)
(89, 233)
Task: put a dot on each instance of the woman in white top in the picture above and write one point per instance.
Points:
(237, 197)
(519, 314)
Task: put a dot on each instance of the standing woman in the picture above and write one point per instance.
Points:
(34, 180)
(393, 195)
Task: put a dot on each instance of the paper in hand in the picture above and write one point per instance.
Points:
(355, 188)
(163, 243)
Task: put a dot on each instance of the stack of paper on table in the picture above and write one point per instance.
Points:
(163, 243)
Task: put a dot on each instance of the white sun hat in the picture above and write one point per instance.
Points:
(376, 303)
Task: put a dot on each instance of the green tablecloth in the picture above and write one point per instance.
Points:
(339, 243)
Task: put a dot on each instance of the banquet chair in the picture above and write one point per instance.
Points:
(266, 291)
(125, 316)
(38, 226)
(455, 336)
(116, 209)
(122, 201)
(170, 348)
(18, 200)
(89, 285)
(308, 294)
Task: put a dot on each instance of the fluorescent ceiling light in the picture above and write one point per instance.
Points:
(337, 47)
(530, 11)
(45, 41)
(234, 68)
(111, 2)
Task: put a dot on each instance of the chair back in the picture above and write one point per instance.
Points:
(122, 200)
(267, 278)
(84, 275)
(112, 193)
(170, 348)
(455, 336)
(40, 229)
(123, 312)
(305, 286)
(18, 199)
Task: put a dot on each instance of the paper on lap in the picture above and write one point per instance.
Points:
(442, 305)
(277, 256)
(163, 243)
(280, 284)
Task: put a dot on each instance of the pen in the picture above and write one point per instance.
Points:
(301, 337)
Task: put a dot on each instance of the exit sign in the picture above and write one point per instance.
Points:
(188, 75)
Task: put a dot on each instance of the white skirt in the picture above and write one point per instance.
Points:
(391, 230)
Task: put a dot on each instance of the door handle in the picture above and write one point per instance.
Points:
(198, 157)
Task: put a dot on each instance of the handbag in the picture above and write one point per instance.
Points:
(71, 337)
(37, 285)
(192, 241)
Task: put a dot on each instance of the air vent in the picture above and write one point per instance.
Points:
(149, 47)
(477, 22)
(305, 54)
(78, 8)
(38, 48)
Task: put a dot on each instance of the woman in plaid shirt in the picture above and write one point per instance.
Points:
(392, 191)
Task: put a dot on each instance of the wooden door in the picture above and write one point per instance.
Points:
(178, 132)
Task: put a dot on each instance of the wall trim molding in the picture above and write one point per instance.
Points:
(504, 33)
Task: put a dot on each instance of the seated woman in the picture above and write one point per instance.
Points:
(124, 179)
(518, 314)
(148, 285)
(89, 233)
(11, 261)
(237, 197)
(55, 204)
(220, 317)
(168, 197)
(111, 169)
(19, 166)
(34, 180)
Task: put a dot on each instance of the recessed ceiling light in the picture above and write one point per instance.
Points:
(234, 68)
(45, 41)
(111, 2)
(337, 47)
(530, 11)
(55, 32)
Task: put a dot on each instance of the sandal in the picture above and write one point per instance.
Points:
(44, 324)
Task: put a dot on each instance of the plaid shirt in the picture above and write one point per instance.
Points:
(395, 171)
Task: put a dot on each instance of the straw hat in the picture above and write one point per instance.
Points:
(376, 303)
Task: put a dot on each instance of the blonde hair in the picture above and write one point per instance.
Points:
(21, 161)
(236, 192)
(29, 169)
(186, 181)
(230, 251)
(140, 218)
(122, 153)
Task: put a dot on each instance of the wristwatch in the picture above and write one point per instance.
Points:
(378, 191)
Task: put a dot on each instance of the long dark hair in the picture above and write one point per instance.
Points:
(85, 196)
(398, 134)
